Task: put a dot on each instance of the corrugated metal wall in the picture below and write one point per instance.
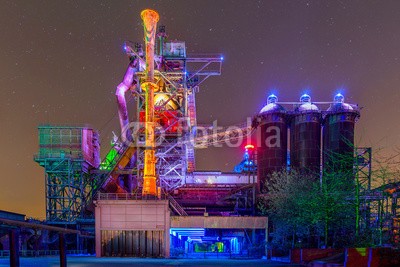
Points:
(132, 243)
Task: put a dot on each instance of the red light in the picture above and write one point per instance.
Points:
(249, 147)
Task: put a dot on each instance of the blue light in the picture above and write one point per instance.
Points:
(125, 48)
(305, 98)
(306, 91)
(187, 231)
(222, 58)
(339, 98)
(341, 89)
(272, 99)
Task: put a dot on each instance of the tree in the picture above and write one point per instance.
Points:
(303, 208)
(340, 197)
(289, 204)
(335, 209)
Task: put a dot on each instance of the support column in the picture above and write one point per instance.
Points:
(167, 242)
(63, 252)
(97, 214)
(14, 248)
(267, 247)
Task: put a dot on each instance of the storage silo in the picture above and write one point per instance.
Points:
(272, 140)
(338, 135)
(305, 137)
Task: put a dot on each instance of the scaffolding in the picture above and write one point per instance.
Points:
(178, 78)
(379, 208)
(385, 214)
(362, 167)
(67, 155)
(176, 81)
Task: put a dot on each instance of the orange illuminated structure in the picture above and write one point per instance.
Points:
(150, 19)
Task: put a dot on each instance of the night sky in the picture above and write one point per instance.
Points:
(60, 62)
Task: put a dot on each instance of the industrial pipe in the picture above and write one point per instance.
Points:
(126, 132)
(122, 88)
(150, 19)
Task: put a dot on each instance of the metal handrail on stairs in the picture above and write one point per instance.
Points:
(176, 206)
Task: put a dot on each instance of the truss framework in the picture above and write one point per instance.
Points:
(67, 187)
(175, 151)
(362, 167)
(67, 154)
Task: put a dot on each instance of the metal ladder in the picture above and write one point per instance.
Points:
(190, 159)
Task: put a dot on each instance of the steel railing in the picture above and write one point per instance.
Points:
(129, 196)
(39, 253)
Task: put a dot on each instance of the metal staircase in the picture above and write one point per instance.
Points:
(109, 170)
(176, 207)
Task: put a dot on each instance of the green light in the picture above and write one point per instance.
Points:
(109, 160)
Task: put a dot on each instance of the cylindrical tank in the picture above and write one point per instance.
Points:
(272, 140)
(338, 135)
(305, 137)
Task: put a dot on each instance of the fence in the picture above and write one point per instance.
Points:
(41, 253)
(129, 196)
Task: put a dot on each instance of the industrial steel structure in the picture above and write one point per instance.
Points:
(68, 156)
(305, 151)
(146, 190)
(176, 79)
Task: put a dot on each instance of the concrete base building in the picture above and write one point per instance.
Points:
(145, 228)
